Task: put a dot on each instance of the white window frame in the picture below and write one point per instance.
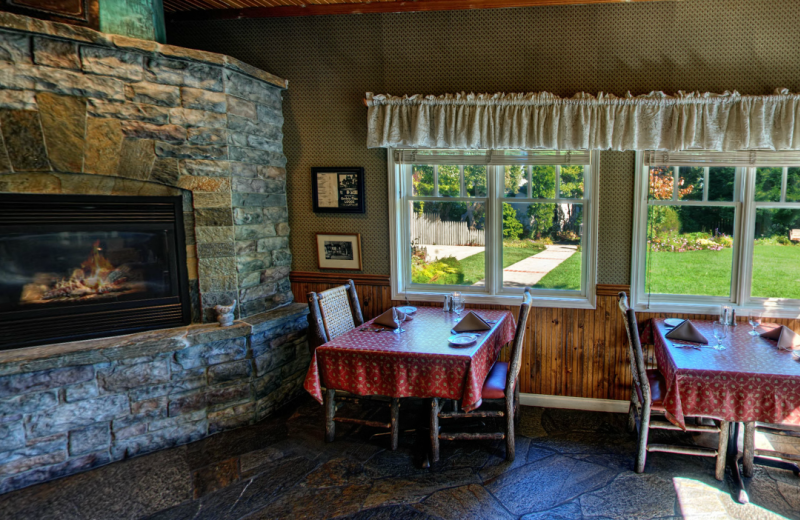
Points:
(746, 164)
(493, 292)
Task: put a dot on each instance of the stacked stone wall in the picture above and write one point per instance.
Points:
(127, 113)
(76, 406)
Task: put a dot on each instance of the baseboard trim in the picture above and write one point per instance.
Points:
(574, 403)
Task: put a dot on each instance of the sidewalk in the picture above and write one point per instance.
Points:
(529, 271)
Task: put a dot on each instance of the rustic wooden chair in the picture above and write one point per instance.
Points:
(501, 386)
(767, 457)
(647, 398)
(332, 313)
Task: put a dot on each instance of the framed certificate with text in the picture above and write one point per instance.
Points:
(338, 190)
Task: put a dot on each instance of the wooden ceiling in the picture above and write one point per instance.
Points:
(209, 9)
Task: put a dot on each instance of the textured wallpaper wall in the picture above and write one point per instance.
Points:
(331, 61)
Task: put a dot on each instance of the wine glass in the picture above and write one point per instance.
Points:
(754, 319)
(398, 319)
(720, 332)
(458, 304)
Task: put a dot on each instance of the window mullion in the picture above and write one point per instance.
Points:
(529, 169)
(705, 183)
(746, 237)
(435, 180)
(462, 182)
(675, 180)
(558, 181)
(495, 225)
(784, 175)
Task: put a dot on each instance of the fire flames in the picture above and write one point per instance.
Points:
(95, 277)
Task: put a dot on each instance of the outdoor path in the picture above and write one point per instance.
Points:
(436, 252)
(532, 269)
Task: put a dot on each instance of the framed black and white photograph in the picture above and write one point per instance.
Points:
(338, 190)
(339, 251)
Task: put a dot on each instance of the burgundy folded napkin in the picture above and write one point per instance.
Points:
(386, 319)
(686, 331)
(471, 322)
(787, 338)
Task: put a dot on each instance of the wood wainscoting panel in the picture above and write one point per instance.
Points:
(567, 352)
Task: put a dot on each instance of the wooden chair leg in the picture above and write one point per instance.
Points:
(722, 449)
(749, 448)
(434, 429)
(395, 422)
(644, 430)
(510, 438)
(330, 411)
(631, 417)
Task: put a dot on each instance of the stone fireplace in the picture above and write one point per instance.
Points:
(75, 267)
(116, 129)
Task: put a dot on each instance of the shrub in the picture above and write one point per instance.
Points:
(512, 228)
(690, 242)
(434, 271)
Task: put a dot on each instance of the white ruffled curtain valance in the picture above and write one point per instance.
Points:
(656, 121)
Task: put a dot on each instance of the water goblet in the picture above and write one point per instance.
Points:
(458, 304)
(754, 319)
(720, 333)
(398, 319)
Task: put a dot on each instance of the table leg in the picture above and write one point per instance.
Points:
(395, 423)
(749, 448)
(434, 429)
(733, 463)
(330, 410)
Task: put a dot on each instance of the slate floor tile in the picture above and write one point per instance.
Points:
(569, 465)
(547, 483)
(631, 496)
(414, 488)
(471, 502)
(315, 503)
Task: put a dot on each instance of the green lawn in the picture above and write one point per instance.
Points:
(567, 275)
(470, 270)
(776, 272)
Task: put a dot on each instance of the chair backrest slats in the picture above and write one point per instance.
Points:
(336, 314)
(638, 369)
(332, 313)
(517, 346)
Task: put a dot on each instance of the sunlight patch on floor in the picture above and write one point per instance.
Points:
(698, 500)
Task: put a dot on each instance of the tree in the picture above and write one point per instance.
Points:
(512, 228)
(513, 178)
(543, 186)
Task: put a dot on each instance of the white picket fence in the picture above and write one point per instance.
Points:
(429, 228)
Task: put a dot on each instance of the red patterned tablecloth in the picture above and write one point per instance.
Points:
(749, 381)
(418, 363)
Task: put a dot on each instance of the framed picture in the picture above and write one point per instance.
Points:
(341, 251)
(338, 190)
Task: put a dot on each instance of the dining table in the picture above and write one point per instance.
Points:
(750, 381)
(419, 362)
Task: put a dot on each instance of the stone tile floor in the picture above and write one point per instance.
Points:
(569, 465)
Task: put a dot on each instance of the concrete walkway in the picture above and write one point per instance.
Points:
(532, 269)
(457, 252)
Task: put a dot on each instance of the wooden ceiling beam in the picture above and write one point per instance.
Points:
(372, 8)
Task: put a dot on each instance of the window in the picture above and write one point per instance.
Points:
(489, 223)
(716, 228)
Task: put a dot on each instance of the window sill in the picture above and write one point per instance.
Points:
(580, 302)
(770, 311)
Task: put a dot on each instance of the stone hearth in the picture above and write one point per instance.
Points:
(83, 112)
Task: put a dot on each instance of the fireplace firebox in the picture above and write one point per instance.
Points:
(77, 267)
